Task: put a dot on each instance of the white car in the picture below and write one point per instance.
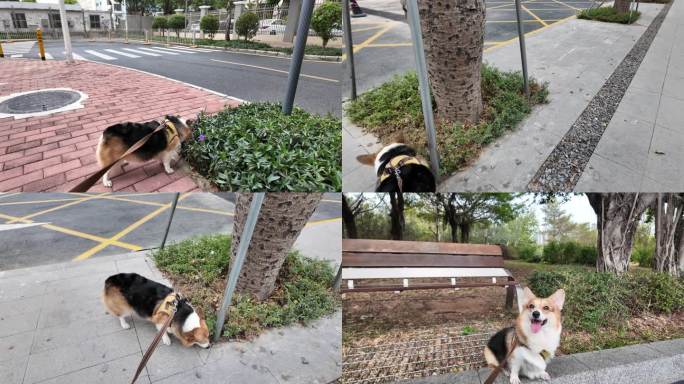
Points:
(272, 26)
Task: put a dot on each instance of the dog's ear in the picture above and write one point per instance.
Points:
(367, 159)
(190, 123)
(528, 294)
(558, 299)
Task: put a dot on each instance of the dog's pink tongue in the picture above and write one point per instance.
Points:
(536, 326)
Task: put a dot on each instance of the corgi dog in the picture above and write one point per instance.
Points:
(163, 145)
(534, 338)
(129, 294)
(400, 169)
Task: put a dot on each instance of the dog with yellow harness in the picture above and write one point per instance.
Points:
(164, 144)
(400, 169)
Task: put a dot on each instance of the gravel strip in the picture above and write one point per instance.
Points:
(562, 169)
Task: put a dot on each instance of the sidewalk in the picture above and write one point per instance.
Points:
(641, 150)
(57, 151)
(654, 363)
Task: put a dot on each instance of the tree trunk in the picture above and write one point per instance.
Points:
(621, 6)
(230, 16)
(465, 232)
(668, 216)
(282, 217)
(348, 219)
(453, 36)
(397, 215)
(617, 218)
(451, 218)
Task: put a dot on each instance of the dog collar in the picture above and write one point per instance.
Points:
(169, 305)
(545, 354)
(393, 167)
(171, 131)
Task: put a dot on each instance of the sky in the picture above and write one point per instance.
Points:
(577, 207)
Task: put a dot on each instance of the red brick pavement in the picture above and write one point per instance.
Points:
(57, 151)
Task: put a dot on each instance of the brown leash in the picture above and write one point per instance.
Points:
(497, 370)
(170, 312)
(86, 184)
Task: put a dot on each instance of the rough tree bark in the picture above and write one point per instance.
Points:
(617, 217)
(621, 6)
(282, 217)
(397, 215)
(453, 35)
(451, 217)
(668, 221)
(348, 219)
(465, 232)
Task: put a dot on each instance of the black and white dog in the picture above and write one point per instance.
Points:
(400, 169)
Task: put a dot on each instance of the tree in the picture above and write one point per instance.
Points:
(617, 219)
(176, 22)
(160, 23)
(669, 226)
(209, 25)
(621, 6)
(327, 18)
(558, 223)
(282, 217)
(247, 25)
(463, 210)
(397, 215)
(453, 36)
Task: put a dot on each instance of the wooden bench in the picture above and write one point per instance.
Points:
(390, 259)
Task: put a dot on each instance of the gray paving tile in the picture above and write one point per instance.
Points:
(16, 346)
(117, 371)
(626, 141)
(18, 323)
(671, 112)
(12, 371)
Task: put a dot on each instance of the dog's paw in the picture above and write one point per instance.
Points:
(107, 183)
(515, 380)
(545, 376)
(168, 170)
(166, 340)
(125, 326)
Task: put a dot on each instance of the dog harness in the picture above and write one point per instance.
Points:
(393, 167)
(170, 130)
(169, 304)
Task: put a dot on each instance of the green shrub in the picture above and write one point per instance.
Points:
(255, 147)
(528, 252)
(656, 293)
(247, 25)
(608, 14)
(177, 23)
(327, 18)
(395, 107)
(545, 283)
(161, 23)
(643, 254)
(209, 25)
(569, 252)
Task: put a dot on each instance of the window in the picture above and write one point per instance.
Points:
(95, 21)
(55, 20)
(19, 20)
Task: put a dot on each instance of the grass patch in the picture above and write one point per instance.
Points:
(608, 14)
(198, 268)
(395, 107)
(254, 147)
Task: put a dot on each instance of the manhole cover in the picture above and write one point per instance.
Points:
(41, 101)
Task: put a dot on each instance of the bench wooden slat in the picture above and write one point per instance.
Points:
(392, 288)
(424, 247)
(370, 260)
(414, 273)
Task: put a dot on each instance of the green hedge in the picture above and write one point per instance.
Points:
(569, 252)
(608, 14)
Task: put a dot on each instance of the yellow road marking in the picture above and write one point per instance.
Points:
(534, 15)
(74, 233)
(384, 45)
(375, 36)
(310, 223)
(276, 70)
(2, 195)
(503, 43)
(367, 28)
(39, 201)
(55, 208)
(125, 231)
(567, 5)
(216, 212)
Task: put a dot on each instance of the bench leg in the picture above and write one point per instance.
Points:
(510, 292)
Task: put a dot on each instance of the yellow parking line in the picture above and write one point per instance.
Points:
(216, 212)
(2, 195)
(55, 208)
(39, 201)
(276, 70)
(310, 223)
(125, 231)
(502, 43)
(534, 15)
(74, 233)
(384, 45)
(367, 28)
(501, 6)
(567, 5)
(375, 36)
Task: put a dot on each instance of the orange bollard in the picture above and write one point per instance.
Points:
(41, 47)
(2, 54)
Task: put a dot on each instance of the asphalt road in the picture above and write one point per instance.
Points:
(249, 77)
(382, 40)
(60, 227)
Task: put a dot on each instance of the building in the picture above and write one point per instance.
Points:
(20, 16)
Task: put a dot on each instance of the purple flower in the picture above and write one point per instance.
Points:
(201, 137)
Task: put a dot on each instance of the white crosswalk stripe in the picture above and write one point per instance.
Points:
(141, 52)
(100, 55)
(17, 48)
(79, 57)
(188, 49)
(172, 50)
(158, 51)
(48, 56)
(114, 51)
(17, 55)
